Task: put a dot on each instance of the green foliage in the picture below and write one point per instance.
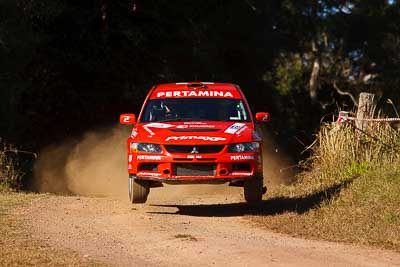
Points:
(357, 169)
(287, 75)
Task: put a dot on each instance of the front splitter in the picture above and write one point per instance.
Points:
(195, 180)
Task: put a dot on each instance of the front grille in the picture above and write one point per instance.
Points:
(188, 169)
(200, 149)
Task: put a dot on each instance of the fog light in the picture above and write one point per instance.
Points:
(223, 172)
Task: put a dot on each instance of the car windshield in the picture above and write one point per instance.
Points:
(195, 109)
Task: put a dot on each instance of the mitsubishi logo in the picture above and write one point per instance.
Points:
(194, 151)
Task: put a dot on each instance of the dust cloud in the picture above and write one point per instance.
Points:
(278, 168)
(95, 165)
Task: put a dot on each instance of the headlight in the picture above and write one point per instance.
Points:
(244, 147)
(146, 147)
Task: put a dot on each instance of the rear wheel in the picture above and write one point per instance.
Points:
(138, 190)
(254, 190)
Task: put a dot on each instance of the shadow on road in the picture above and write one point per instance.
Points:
(269, 207)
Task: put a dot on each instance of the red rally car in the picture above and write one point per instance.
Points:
(192, 133)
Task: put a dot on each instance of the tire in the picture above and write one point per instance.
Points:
(254, 190)
(138, 190)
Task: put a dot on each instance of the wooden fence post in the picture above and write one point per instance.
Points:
(366, 109)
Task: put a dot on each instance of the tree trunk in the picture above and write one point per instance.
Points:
(314, 80)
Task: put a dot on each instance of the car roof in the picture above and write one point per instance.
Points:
(189, 85)
(188, 89)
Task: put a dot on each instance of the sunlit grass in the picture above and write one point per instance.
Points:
(351, 192)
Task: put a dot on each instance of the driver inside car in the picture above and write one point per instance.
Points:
(161, 112)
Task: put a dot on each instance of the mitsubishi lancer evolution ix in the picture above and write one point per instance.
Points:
(195, 133)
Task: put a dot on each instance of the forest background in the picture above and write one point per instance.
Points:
(71, 66)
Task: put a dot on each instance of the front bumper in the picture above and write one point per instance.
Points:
(195, 168)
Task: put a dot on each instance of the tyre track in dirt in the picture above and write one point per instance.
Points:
(180, 230)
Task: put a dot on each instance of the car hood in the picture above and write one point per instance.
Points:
(194, 132)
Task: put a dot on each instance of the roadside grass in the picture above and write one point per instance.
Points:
(350, 194)
(10, 173)
(19, 248)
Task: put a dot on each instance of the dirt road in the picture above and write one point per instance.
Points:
(177, 228)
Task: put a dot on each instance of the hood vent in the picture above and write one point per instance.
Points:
(192, 130)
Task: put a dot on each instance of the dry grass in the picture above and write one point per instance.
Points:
(10, 173)
(350, 194)
(18, 248)
(346, 151)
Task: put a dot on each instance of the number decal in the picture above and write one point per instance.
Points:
(126, 119)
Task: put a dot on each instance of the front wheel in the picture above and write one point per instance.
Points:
(254, 190)
(138, 190)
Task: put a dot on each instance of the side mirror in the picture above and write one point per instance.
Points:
(263, 117)
(127, 119)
